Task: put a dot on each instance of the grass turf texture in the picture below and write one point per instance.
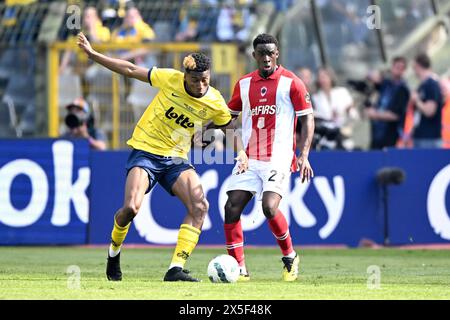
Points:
(40, 273)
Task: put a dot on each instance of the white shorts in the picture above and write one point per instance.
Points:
(260, 177)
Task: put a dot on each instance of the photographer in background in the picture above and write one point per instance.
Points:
(388, 113)
(80, 124)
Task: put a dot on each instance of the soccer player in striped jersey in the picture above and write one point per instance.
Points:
(270, 100)
(161, 141)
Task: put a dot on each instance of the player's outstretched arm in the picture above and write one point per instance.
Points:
(122, 67)
(306, 136)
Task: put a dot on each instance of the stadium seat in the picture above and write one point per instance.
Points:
(69, 88)
(7, 62)
(27, 122)
(163, 31)
(20, 89)
(8, 120)
(3, 84)
(99, 80)
(16, 61)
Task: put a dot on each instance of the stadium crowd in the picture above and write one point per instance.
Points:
(400, 115)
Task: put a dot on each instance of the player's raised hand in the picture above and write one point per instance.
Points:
(84, 44)
(242, 158)
(305, 169)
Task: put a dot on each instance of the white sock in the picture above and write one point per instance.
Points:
(243, 269)
(291, 255)
(175, 265)
(113, 253)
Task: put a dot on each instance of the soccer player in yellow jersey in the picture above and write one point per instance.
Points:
(160, 142)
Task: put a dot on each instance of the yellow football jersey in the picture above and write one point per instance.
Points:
(170, 120)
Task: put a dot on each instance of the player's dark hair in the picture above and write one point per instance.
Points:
(197, 62)
(264, 38)
(400, 59)
(423, 60)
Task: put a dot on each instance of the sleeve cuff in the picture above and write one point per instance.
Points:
(149, 76)
(304, 112)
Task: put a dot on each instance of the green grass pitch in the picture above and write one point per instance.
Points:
(40, 273)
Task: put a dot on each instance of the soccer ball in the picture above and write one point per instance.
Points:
(223, 269)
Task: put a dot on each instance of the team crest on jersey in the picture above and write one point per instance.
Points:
(202, 113)
(263, 91)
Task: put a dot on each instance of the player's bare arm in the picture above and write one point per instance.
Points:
(122, 67)
(242, 157)
(307, 132)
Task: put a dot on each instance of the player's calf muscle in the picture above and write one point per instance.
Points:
(269, 210)
(199, 210)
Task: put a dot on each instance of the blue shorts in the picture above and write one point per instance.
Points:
(164, 170)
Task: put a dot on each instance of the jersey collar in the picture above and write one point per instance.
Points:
(273, 76)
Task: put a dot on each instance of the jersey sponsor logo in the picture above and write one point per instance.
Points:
(180, 119)
(264, 109)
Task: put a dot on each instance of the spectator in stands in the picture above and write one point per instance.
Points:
(388, 113)
(306, 75)
(428, 102)
(96, 33)
(134, 29)
(225, 22)
(80, 124)
(280, 5)
(333, 103)
(11, 11)
(445, 88)
(93, 27)
(188, 21)
(235, 20)
(248, 18)
(334, 107)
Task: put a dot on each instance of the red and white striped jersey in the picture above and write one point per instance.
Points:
(270, 108)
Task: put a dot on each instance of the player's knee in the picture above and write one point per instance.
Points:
(232, 212)
(199, 209)
(131, 210)
(269, 210)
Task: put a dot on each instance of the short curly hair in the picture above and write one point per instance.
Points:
(197, 62)
(264, 38)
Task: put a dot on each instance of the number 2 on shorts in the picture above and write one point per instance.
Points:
(274, 173)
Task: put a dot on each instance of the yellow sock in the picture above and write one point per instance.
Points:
(118, 235)
(187, 240)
